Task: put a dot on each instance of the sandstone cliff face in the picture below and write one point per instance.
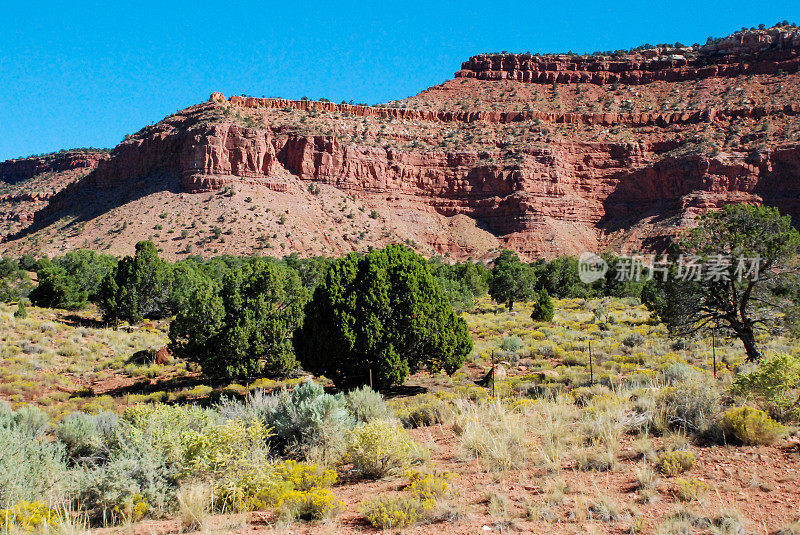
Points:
(563, 198)
(746, 53)
(13, 171)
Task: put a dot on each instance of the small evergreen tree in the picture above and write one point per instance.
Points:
(511, 280)
(21, 312)
(243, 327)
(139, 287)
(543, 309)
(57, 289)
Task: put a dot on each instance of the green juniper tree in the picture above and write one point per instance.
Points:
(733, 240)
(511, 280)
(381, 314)
(138, 287)
(242, 327)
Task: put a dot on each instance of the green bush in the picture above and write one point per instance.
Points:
(56, 289)
(380, 448)
(366, 405)
(511, 343)
(543, 309)
(243, 327)
(381, 313)
(749, 426)
(775, 385)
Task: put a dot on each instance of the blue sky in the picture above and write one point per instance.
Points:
(78, 74)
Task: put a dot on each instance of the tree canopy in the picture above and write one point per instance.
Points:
(511, 280)
(382, 313)
(749, 282)
(242, 327)
(138, 287)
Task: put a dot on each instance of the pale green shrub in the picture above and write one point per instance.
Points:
(423, 410)
(88, 438)
(775, 385)
(380, 448)
(511, 343)
(366, 405)
(31, 468)
(690, 405)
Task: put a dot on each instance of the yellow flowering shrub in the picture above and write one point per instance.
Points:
(400, 510)
(392, 512)
(691, 489)
(314, 504)
(672, 463)
(28, 516)
(750, 426)
(305, 476)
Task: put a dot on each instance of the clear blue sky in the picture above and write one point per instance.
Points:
(77, 74)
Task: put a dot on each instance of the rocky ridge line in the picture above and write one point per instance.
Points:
(768, 51)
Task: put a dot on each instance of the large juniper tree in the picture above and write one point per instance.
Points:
(382, 313)
(747, 283)
(511, 280)
(242, 327)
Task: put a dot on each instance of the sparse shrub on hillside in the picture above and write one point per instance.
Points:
(749, 426)
(691, 489)
(393, 511)
(422, 410)
(380, 448)
(689, 405)
(366, 405)
(633, 340)
(775, 385)
(511, 343)
(382, 312)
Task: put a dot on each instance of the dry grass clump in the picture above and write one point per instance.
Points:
(494, 434)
